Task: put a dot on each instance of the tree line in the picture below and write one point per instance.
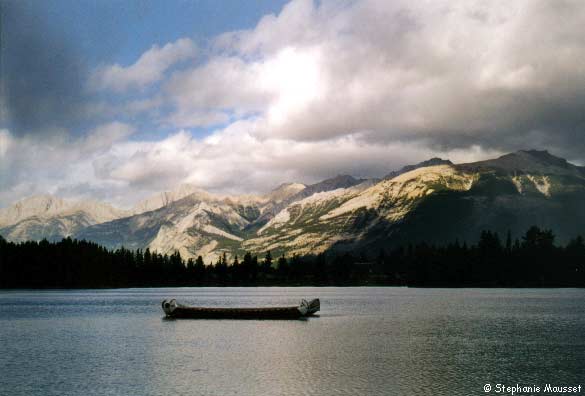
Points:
(531, 261)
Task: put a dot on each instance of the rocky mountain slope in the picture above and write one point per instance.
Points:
(204, 224)
(164, 198)
(438, 203)
(45, 216)
(431, 162)
(347, 216)
(199, 224)
(433, 201)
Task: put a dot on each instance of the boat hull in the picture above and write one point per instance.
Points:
(173, 309)
(236, 313)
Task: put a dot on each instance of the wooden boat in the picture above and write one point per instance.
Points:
(173, 309)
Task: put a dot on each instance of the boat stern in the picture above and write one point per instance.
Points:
(314, 306)
(169, 306)
(307, 308)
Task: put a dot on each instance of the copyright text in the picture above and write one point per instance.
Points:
(518, 389)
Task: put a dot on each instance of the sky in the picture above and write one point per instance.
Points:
(117, 100)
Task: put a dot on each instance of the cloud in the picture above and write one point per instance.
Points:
(188, 119)
(232, 160)
(149, 68)
(104, 136)
(447, 74)
(107, 166)
(29, 165)
(150, 165)
(357, 87)
(5, 142)
(42, 73)
(287, 82)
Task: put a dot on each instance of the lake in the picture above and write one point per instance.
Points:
(366, 341)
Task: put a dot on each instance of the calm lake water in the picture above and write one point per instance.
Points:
(366, 341)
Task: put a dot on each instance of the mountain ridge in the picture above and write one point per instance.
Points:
(46, 216)
(434, 199)
(430, 162)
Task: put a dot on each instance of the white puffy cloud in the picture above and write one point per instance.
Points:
(29, 165)
(149, 68)
(231, 160)
(450, 73)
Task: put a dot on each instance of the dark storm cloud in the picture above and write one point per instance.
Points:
(41, 75)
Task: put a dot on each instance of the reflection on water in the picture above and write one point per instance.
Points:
(366, 341)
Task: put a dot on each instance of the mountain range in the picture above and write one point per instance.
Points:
(434, 201)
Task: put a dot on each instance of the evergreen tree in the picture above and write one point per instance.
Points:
(267, 261)
(509, 242)
(282, 267)
(534, 261)
(254, 269)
